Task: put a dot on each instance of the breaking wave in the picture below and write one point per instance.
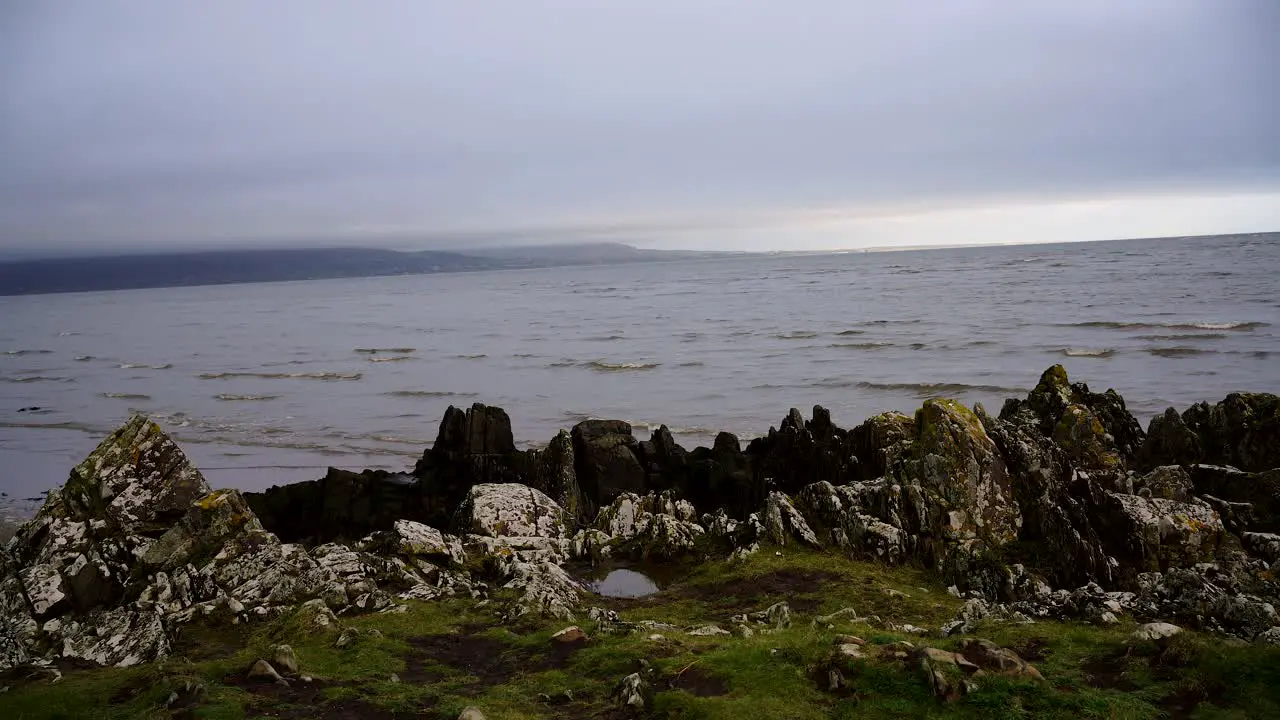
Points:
(20, 353)
(84, 358)
(862, 345)
(393, 358)
(1177, 352)
(601, 366)
(36, 378)
(799, 335)
(282, 376)
(477, 356)
(145, 366)
(126, 396)
(1088, 352)
(1112, 325)
(227, 397)
(390, 351)
(1175, 337)
(845, 333)
(427, 394)
(931, 389)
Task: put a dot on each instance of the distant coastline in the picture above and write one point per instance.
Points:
(228, 267)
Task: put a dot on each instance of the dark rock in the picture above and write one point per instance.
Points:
(1169, 442)
(480, 430)
(721, 477)
(880, 441)
(606, 463)
(1241, 431)
(346, 505)
(1096, 429)
(799, 452)
(1260, 490)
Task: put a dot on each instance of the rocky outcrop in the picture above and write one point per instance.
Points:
(1242, 431)
(510, 509)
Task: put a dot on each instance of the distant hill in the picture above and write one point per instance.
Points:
(222, 267)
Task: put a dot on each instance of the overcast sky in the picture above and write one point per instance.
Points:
(736, 124)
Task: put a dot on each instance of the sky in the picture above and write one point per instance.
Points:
(700, 124)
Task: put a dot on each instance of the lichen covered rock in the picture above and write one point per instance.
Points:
(510, 509)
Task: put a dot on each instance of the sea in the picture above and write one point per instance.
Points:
(271, 383)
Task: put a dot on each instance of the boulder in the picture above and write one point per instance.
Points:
(654, 526)
(1261, 491)
(1167, 482)
(411, 539)
(509, 509)
(1155, 632)
(1169, 442)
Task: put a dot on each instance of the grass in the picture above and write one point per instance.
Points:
(450, 654)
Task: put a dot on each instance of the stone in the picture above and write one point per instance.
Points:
(993, 658)
(1167, 482)
(569, 636)
(632, 692)
(471, 712)
(1155, 632)
(852, 651)
(1154, 534)
(1243, 431)
(509, 509)
(413, 539)
(707, 631)
(777, 615)
(262, 671)
(848, 640)
(284, 659)
(782, 521)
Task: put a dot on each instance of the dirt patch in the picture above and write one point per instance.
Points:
(305, 701)
(1032, 649)
(198, 641)
(797, 587)
(492, 662)
(1109, 672)
(698, 682)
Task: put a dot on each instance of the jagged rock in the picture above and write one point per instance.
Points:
(838, 512)
(415, 540)
(1241, 431)
(1098, 432)
(1151, 534)
(511, 510)
(118, 636)
(605, 462)
(552, 470)
(345, 505)
(1169, 442)
(881, 442)
(545, 589)
(284, 659)
(653, 526)
(800, 452)
(632, 692)
(781, 521)
(1167, 482)
(1155, 632)
(1263, 545)
(1260, 490)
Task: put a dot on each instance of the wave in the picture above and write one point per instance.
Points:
(601, 366)
(1088, 352)
(68, 333)
(477, 356)
(390, 351)
(845, 333)
(394, 358)
(605, 338)
(145, 366)
(563, 363)
(227, 397)
(428, 394)
(20, 353)
(84, 358)
(1177, 352)
(798, 335)
(862, 345)
(126, 396)
(930, 389)
(1175, 337)
(692, 363)
(281, 376)
(1113, 325)
(36, 378)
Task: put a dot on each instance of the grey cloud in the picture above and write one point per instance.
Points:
(152, 122)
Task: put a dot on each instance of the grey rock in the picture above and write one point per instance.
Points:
(510, 509)
(632, 692)
(1155, 632)
(284, 659)
(471, 713)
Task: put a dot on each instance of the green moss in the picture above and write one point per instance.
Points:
(1090, 672)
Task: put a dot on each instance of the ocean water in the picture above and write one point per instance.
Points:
(272, 383)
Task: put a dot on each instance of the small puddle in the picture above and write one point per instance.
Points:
(624, 583)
